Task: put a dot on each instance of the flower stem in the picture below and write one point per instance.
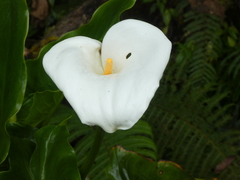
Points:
(92, 154)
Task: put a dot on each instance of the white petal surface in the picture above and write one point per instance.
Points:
(140, 53)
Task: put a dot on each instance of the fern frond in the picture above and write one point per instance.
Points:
(190, 112)
(232, 62)
(201, 30)
(138, 139)
(187, 134)
(230, 72)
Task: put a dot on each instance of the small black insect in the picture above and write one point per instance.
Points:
(128, 55)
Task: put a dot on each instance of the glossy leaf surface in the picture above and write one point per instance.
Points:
(54, 158)
(20, 153)
(13, 30)
(19, 158)
(24, 132)
(130, 165)
(39, 107)
(139, 139)
(103, 18)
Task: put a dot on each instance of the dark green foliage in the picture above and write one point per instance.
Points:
(138, 139)
(230, 68)
(190, 132)
(201, 31)
(195, 113)
(12, 70)
(130, 165)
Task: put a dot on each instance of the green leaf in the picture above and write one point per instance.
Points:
(130, 165)
(104, 17)
(172, 171)
(20, 152)
(39, 107)
(61, 114)
(54, 158)
(25, 132)
(231, 41)
(139, 138)
(167, 16)
(147, 1)
(19, 157)
(233, 32)
(13, 31)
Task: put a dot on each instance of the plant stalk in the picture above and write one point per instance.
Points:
(92, 154)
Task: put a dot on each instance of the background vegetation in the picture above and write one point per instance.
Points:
(194, 115)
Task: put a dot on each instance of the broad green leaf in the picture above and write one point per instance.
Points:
(104, 17)
(130, 165)
(139, 138)
(170, 170)
(54, 158)
(13, 31)
(20, 152)
(61, 114)
(19, 160)
(24, 132)
(19, 157)
(39, 107)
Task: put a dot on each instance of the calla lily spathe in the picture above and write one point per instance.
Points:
(139, 53)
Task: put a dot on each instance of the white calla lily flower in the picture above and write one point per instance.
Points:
(110, 84)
